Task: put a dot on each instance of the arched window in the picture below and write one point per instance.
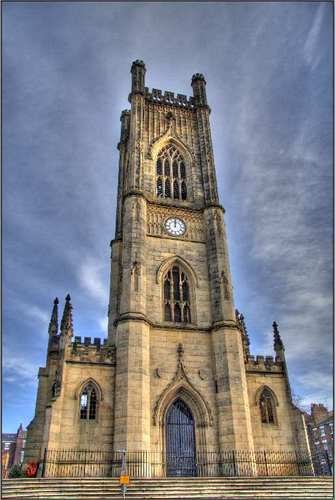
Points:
(88, 402)
(171, 174)
(267, 407)
(176, 291)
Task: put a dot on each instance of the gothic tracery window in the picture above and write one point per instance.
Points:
(176, 291)
(88, 402)
(267, 407)
(171, 174)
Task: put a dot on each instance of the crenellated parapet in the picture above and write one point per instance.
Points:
(261, 364)
(64, 346)
(91, 350)
(169, 98)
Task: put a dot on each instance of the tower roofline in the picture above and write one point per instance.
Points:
(167, 97)
(198, 76)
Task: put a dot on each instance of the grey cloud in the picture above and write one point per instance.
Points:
(66, 80)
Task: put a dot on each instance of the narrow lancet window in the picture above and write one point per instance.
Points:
(183, 191)
(167, 289)
(88, 403)
(187, 314)
(167, 188)
(177, 313)
(168, 315)
(93, 405)
(175, 190)
(159, 186)
(83, 405)
(177, 307)
(166, 168)
(267, 407)
(171, 174)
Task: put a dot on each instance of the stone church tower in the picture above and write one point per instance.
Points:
(177, 350)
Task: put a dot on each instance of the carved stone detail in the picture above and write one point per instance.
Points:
(181, 380)
(157, 215)
(56, 386)
(136, 272)
(226, 287)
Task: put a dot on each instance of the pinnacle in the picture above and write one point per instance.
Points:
(66, 323)
(198, 76)
(139, 62)
(278, 343)
(53, 325)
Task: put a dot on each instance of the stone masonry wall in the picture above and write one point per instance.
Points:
(280, 435)
(198, 362)
(67, 430)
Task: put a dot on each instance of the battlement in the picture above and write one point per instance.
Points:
(95, 341)
(92, 350)
(168, 97)
(264, 363)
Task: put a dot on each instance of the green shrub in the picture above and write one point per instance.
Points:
(16, 471)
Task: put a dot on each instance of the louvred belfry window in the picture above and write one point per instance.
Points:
(177, 306)
(171, 174)
(88, 403)
(267, 407)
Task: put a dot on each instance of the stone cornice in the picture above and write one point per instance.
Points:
(267, 372)
(225, 324)
(167, 204)
(135, 192)
(215, 205)
(116, 240)
(167, 237)
(128, 316)
(133, 316)
(203, 106)
(135, 93)
(95, 363)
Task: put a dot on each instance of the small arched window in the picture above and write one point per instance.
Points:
(171, 174)
(88, 402)
(176, 290)
(267, 407)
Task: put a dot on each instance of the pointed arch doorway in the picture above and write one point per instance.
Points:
(180, 440)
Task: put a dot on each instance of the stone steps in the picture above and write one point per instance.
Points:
(282, 488)
(173, 480)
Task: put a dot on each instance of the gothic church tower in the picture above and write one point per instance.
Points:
(177, 350)
(171, 281)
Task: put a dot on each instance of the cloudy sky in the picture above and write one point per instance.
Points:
(65, 81)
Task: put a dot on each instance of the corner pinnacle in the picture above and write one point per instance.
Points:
(277, 341)
(53, 325)
(67, 323)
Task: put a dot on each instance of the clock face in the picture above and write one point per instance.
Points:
(175, 226)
